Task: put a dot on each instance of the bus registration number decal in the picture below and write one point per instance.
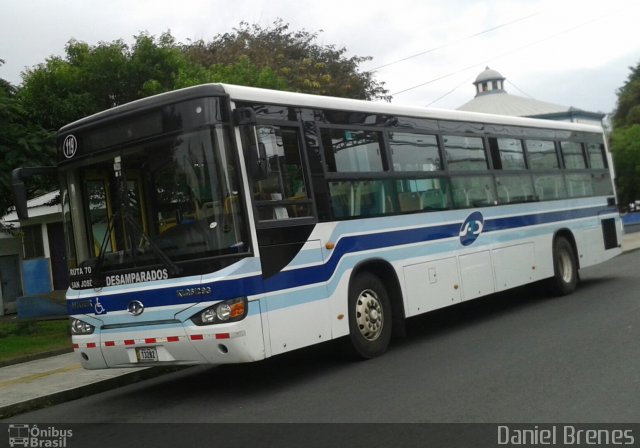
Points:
(147, 354)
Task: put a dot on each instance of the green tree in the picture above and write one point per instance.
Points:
(295, 56)
(625, 138)
(628, 108)
(21, 143)
(625, 144)
(89, 79)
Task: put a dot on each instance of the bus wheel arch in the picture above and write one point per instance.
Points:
(568, 235)
(565, 264)
(376, 310)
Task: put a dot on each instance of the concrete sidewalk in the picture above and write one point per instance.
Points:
(45, 382)
(631, 241)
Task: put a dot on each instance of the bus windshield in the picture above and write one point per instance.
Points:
(160, 203)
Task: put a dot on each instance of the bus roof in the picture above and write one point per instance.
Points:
(242, 93)
(254, 94)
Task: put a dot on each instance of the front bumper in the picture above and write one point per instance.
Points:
(176, 344)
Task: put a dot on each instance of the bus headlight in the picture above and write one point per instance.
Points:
(80, 327)
(227, 311)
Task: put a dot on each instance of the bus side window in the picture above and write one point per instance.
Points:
(549, 187)
(353, 151)
(573, 155)
(542, 155)
(422, 194)
(512, 189)
(473, 191)
(507, 153)
(465, 153)
(361, 198)
(282, 193)
(597, 158)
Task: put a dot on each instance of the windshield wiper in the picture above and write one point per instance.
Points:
(173, 268)
(134, 233)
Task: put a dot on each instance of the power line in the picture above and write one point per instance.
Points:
(450, 91)
(519, 89)
(454, 42)
(438, 78)
(501, 55)
(466, 81)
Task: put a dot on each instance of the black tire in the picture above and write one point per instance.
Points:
(565, 268)
(369, 316)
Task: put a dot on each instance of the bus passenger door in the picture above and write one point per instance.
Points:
(295, 299)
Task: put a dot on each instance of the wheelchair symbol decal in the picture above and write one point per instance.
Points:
(98, 308)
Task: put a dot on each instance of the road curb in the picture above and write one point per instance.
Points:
(83, 391)
(36, 356)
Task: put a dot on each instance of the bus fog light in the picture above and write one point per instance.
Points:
(79, 327)
(227, 311)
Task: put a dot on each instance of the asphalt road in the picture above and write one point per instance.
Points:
(512, 357)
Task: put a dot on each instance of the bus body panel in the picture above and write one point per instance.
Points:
(300, 314)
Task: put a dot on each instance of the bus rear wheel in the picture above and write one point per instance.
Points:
(565, 268)
(369, 316)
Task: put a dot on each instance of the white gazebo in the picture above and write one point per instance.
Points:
(491, 97)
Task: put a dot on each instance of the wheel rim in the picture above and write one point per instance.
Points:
(369, 315)
(566, 266)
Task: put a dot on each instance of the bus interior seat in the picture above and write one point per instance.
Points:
(460, 197)
(540, 191)
(410, 201)
(503, 194)
(341, 198)
(369, 199)
(434, 199)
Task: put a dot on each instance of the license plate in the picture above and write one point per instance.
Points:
(147, 354)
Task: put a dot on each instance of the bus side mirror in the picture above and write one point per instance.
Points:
(257, 162)
(19, 192)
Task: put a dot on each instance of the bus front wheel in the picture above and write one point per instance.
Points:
(565, 268)
(369, 316)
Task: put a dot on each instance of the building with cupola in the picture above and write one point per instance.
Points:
(492, 98)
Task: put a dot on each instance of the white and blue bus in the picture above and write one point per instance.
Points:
(225, 224)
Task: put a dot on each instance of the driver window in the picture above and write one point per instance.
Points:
(281, 193)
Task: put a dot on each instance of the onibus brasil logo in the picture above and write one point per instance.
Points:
(471, 228)
(33, 436)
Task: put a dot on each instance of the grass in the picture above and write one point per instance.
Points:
(21, 339)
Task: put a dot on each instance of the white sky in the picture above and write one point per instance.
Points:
(573, 53)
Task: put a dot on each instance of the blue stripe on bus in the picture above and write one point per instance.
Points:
(254, 284)
(514, 222)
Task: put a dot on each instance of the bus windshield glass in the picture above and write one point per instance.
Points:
(160, 203)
